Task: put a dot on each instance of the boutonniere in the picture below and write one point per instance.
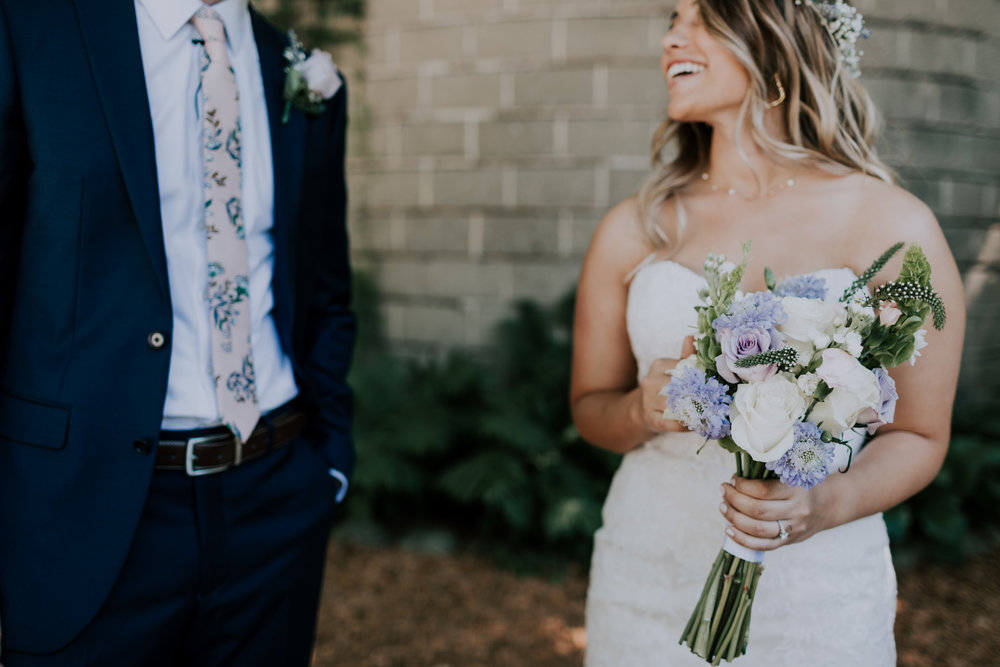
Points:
(309, 80)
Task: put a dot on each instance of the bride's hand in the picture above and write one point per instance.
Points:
(652, 402)
(758, 510)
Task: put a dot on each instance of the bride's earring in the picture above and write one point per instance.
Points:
(781, 93)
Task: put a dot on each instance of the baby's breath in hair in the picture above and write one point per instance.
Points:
(846, 25)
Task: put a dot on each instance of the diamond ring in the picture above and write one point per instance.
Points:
(782, 530)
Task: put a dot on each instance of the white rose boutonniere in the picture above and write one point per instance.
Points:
(309, 80)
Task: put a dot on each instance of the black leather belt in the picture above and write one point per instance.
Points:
(212, 450)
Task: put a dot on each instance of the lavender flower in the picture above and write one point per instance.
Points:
(748, 329)
(809, 460)
(746, 341)
(806, 286)
(700, 403)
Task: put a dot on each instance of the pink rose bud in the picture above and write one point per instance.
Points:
(888, 313)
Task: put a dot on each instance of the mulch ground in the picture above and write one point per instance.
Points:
(389, 607)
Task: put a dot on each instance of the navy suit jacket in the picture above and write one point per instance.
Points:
(83, 284)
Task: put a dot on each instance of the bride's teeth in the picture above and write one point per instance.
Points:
(684, 68)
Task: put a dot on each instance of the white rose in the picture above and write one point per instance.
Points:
(763, 417)
(855, 389)
(321, 74)
(809, 324)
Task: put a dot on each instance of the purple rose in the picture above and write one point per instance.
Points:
(885, 411)
(745, 341)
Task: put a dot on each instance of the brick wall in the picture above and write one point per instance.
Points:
(490, 136)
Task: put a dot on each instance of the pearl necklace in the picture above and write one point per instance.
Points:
(731, 191)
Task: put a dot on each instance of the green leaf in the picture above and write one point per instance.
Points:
(728, 444)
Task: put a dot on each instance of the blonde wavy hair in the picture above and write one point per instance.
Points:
(829, 119)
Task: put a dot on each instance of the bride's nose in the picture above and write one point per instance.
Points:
(675, 38)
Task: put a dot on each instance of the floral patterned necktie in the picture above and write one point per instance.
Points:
(228, 292)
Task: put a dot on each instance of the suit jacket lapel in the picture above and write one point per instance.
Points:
(287, 151)
(111, 38)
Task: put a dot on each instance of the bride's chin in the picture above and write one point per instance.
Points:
(682, 114)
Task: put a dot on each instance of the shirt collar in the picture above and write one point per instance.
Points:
(169, 16)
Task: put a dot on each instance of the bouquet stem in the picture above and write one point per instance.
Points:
(719, 627)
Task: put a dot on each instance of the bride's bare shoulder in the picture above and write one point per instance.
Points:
(886, 210)
(885, 214)
(620, 242)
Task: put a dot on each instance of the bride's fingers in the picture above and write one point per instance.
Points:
(687, 347)
(763, 489)
(754, 542)
(765, 529)
(761, 509)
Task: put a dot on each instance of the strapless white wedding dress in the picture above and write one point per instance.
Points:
(829, 600)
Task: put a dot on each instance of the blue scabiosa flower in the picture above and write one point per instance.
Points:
(809, 460)
(700, 403)
(805, 286)
(761, 309)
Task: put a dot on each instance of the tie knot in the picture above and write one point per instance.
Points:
(209, 25)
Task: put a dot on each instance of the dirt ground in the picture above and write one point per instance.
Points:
(388, 607)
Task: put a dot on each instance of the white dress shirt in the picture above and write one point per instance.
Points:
(171, 62)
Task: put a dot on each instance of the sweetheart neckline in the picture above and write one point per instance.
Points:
(694, 273)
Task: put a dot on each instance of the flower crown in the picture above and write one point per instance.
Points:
(845, 24)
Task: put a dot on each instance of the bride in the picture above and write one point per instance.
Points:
(774, 143)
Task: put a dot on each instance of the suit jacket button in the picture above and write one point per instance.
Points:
(156, 340)
(142, 446)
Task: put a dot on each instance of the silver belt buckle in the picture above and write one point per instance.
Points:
(210, 470)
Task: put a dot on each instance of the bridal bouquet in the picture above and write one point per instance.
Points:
(780, 378)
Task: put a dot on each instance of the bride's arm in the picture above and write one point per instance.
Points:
(609, 408)
(905, 456)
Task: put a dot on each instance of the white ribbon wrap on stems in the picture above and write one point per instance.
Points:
(740, 551)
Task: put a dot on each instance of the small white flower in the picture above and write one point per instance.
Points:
(860, 313)
(849, 340)
(807, 383)
(918, 344)
(726, 268)
(854, 347)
